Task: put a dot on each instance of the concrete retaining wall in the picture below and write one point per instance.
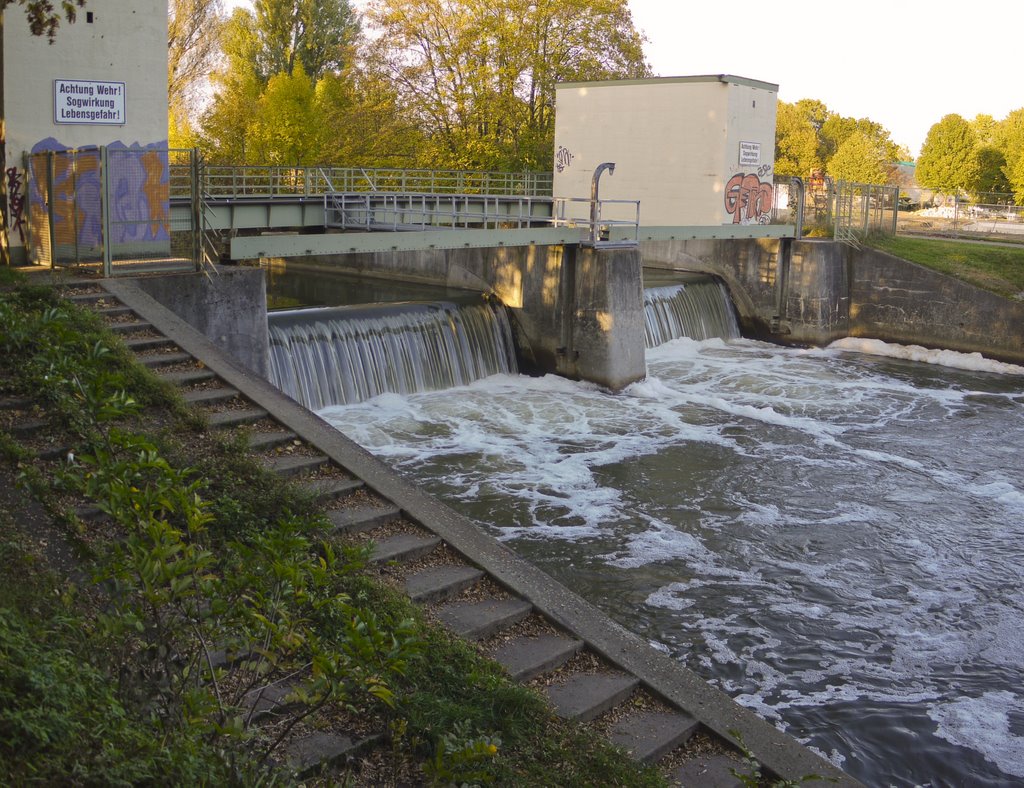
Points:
(229, 308)
(575, 311)
(898, 301)
(815, 292)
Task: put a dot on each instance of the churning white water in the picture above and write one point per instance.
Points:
(836, 539)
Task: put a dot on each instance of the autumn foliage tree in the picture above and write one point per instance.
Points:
(948, 162)
(480, 76)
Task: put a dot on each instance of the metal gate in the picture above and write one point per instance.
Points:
(112, 209)
(864, 208)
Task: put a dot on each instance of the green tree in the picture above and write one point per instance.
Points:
(948, 162)
(285, 129)
(796, 142)
(43, 17)
(224, 127)
(991, 175)
(984, 128)
(193, 43)
(480, 77)
(314, 33)
(861, 158)
(1009, 139)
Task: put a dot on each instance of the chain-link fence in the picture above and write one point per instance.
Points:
(111, 208)
(992, 216)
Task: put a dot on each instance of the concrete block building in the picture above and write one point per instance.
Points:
(103, 83)
(695, 151)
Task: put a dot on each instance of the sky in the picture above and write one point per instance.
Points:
(902, 63)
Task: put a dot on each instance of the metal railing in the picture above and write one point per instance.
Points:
(596, 225)
(229, 182)
(863, 208)
(401, 211)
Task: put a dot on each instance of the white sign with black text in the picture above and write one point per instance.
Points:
(750, 154)
(88, 101)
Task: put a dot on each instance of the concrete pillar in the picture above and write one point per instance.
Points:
(229, 308)
(605, 336)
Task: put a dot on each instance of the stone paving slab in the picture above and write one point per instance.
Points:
(318, 751)
(650, 735)
(288, 466)
(709, 772)
(527, 657)
(361, 518)
(259, 441)
(588, 695)
(234, 418)
(432, 585)
(477, 620)
(208, 396)
(403, 547)
(330, 489)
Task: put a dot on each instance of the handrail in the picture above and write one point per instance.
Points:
(234, 182)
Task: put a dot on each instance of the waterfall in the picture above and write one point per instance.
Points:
(343, 355)
(699, 309)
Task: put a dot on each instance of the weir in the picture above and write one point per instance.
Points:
(345, 355)
(699, 308)
(348, 354)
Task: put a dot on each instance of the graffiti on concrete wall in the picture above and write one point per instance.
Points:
(16, 201)
(748, 199)
(69, 181)
(563, 158)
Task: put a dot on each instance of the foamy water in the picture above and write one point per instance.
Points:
(834, 537)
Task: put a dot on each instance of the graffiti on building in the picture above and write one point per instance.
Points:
(563, 158)
(748, 199)
(69, 182)
(16, 201)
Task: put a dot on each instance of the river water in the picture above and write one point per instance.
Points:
(835, 538)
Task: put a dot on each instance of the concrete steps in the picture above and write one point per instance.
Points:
(478, 620)
(442, 582)
(585, 696)
(526, 658)
(186, 378)
(651, 735)
(358, 519)
(458, 594)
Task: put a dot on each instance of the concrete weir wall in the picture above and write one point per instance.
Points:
(812, 292)
(229, 307)
(576, 311)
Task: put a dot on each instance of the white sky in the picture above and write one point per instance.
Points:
(902, 63)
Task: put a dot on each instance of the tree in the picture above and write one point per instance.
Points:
(193, 43)
(796, 142)
(861, 158)
(480, 76)
(991, 175)
(314, 33)
(285, 129)
(948, 162)
(1008, 137)
(43, 17)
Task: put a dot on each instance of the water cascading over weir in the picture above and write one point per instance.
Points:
(699, 308)
(345, 355)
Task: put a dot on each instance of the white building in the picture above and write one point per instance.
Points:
(695, 151)
(102, 83)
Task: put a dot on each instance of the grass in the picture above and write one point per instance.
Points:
(100, 681)
(999, 269)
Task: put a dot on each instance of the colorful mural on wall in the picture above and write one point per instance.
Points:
(748, 199)
(138, 185)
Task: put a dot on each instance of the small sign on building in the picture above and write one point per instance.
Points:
(89, 101)
(750, 154)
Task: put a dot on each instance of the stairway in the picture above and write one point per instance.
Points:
(555, 650)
